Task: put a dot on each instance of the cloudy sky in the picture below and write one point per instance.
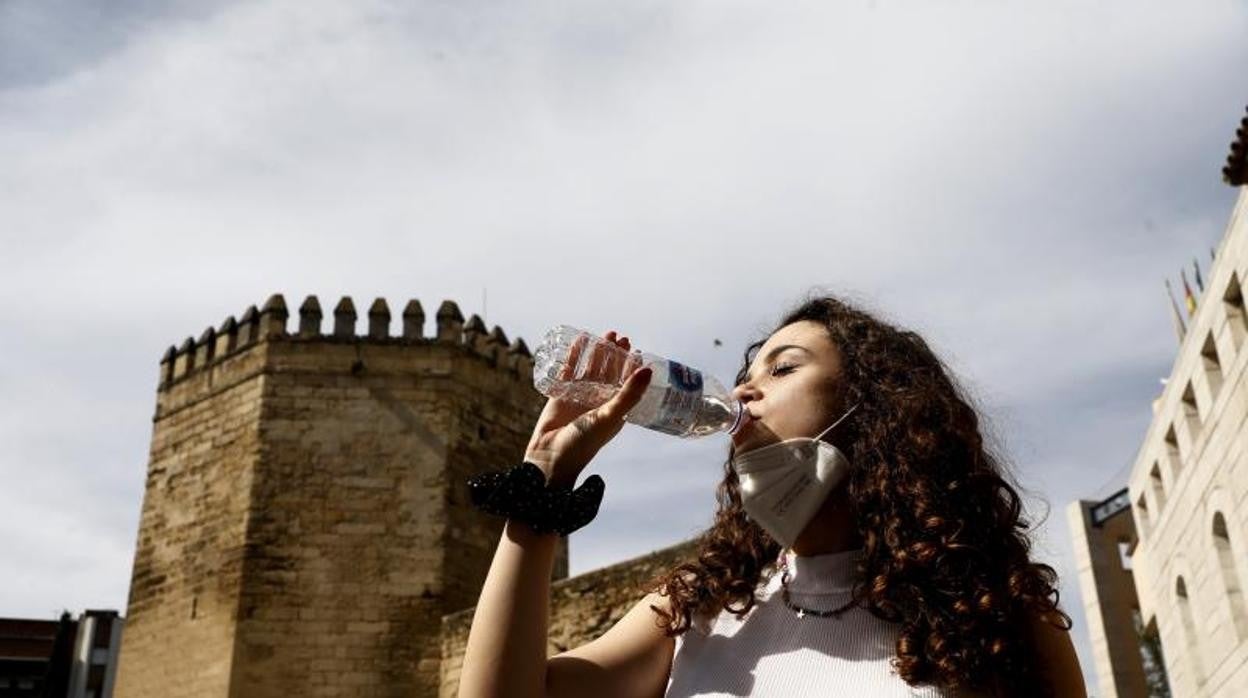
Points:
(1012, 180)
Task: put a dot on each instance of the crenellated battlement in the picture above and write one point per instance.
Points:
(307, 478)
(269, 324)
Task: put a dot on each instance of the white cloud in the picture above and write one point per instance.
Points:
(1012, 181)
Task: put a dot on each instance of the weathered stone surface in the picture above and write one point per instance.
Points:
(582, 608)
(306, 523)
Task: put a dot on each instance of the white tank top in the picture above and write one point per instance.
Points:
(772, 653)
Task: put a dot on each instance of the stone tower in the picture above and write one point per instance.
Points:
(305, 522)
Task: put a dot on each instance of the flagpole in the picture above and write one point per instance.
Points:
(1179, 328)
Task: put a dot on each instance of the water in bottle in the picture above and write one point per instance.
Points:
(588, 369)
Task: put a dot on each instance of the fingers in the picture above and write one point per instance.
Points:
(598, 357)
(624, 363)
(619, 365)
(604, 364)
(630, 394)
(589, 359)
(613, 371)
(568, 371)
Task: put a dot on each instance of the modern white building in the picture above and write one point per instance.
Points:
(1177, 567)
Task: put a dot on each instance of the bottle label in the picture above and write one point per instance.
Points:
(681, 400)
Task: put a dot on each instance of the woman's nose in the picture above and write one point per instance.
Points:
(744, 392)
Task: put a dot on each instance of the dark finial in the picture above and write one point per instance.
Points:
(520, 348)
(275, 304)
(413, 320)
(273, 317)
(227, 337)
(344, 318)
(497, 336)
(166, 365)
(450, 322)
(449, 310)
(310, 317)
(187, 351)
(206, 347)
(379, 319)
(248, 326)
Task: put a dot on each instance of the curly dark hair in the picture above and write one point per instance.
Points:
(945, 548)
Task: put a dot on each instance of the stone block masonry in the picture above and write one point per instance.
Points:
(305, 523)
(582, 608)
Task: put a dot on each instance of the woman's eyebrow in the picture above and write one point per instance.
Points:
(772, 354)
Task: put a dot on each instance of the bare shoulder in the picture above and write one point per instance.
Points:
(1055, 657)
(1056, 654)
(633, 658)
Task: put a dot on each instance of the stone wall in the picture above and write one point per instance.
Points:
(306, 523)
(184, 591)
(582, 608)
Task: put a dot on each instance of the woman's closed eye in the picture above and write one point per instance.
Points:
(782, 368)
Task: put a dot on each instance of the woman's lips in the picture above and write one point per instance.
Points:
(743, 432)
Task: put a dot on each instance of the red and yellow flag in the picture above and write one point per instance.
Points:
(1187, 294)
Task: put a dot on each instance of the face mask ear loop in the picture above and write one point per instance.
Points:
(847, 413)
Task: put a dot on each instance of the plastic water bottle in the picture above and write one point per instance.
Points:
(588, 369)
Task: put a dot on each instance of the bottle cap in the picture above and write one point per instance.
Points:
(742, 416)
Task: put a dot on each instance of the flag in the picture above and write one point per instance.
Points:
(1179, 329)
(1187, 294)
(1199, 284)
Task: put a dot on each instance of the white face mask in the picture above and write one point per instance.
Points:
(783, 484)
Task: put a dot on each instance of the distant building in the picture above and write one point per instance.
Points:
(1164, 588)
(61, 658)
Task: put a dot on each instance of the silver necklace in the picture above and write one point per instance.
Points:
(801, 611)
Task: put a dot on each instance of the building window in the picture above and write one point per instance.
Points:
(1124, 554)
(1233, 306)
(1230, 575)
(1213, 367)
(1159, 487)
(1151, 656)
(1141, 516)
(1191, 413)
(1190, 640)
(1173, 456)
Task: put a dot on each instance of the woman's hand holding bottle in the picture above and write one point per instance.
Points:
(678, 400)
(568, 435)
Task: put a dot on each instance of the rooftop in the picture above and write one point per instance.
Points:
(1236, 171)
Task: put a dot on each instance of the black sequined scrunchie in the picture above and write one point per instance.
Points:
(521, 493)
